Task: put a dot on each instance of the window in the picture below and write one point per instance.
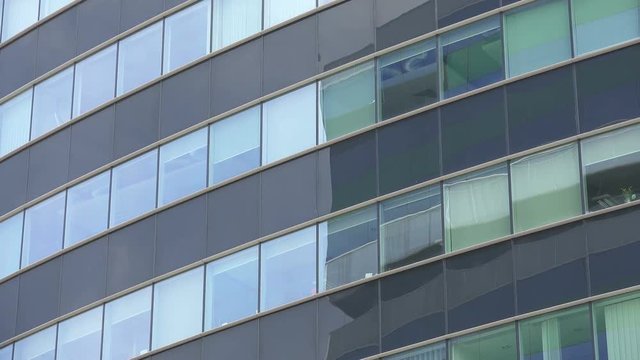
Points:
(139, 58)
(277, 11)
(48, 7)
(410, 228)
(347, 101)
(598, 24)
(15, 117)
(611, 164)
(95, 81)
(40, 346)
(408, 79)
(494, 344)
(87, 209)
(348, 248)
(232, 288)
(476, 208)
(18, 15)
(80, 336)
(52, 102)
(617, 324)
(235, 145)
(127, 326)
(6, 352)
(436, 351)
(287, 268)
(235, 20)
(545, 187)
(10, 242)
(133, 187)
(472, 56)
(559, 335)
(537, 35)
(289, 124)
(177, 307)
(43, 226)
(183, 167)
(186, 35)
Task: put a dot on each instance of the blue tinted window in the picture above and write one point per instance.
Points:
(133, 187)
(7, 351)
(52, 103)
(127, 326)
(10, 241)
(235, 20)
(15, 117)
(43, 226)
(598, 24)
(40, 346)
(186, 35)
(80, 336)
(139, 58)
(277, 11)
(95, 81)
(50, 6)
(18, 15)
(87, 208)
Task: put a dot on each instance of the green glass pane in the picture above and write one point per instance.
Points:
(476, 208)
(347, 101)
(617, 327)
(545, 187)
(493, 344)
(600, 23)
(537, 35)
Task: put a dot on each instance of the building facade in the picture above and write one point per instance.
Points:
(314, 179)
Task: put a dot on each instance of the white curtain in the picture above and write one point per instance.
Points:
(622, 321)
(235, 20)
(551, 347)
(277, 11)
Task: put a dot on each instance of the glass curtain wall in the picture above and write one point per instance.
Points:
(234, 20)
(15, 119)
(598, 24)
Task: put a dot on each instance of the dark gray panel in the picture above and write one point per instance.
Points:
(39, 294)
(401, 20)
(131, 254)
(182, 235)
(57, 41)
(236, 77)
(84, 275)
(480, 287)
(288, 193)
(233, 212)
(91, 142)
(347, 173)
(345, 33)
(453, 11)
(289, 334)
(348, 324)
(290, 55)
(98, 21)
(49, 164)
(8, 308)
(168, 4)
(412, 306)
(13, 172)
(614, 250)
(237, 343)
(552, 263)
(23, 52)
(135, 12)
(185, 99)
(189, 351)
(136, 124)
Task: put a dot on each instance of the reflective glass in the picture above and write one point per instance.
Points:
(289, 124)
(410, 228)
(52, 103)
(15, 117)
(95, 81)
(494, 344)
(611, 168)
(183, 167)
(347, 101)
(177, 307)
(277, 11)
(40, 346)
(537, 35)
(186, 35)
(50, 6)
(617, 327)
(408, 79)
(472, 56)
(476, 207)
(133, 187)
(139, 58)
(287, 268)
(545, 187)
(80, 336)
(18, 15)
(235, 20)
(431, 352)
(6, 352)
(87, 208)
(559, 335)
(348, 248)
(598, 24)
(10, 242)
(43, 226)
(232, 288)
(127, 326)
(234, 145)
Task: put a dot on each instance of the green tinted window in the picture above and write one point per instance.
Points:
(598, 23)
(494, 344)
(617, 327)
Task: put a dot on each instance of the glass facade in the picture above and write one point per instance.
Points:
(133, 188)
(10, 243)
(598, 24)
(14, 122)
(43, 228)
(41, 346)
(95, 81)
(52, 103)
(139, 58)
(80, 336)
(186, 35)
(127, 326)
